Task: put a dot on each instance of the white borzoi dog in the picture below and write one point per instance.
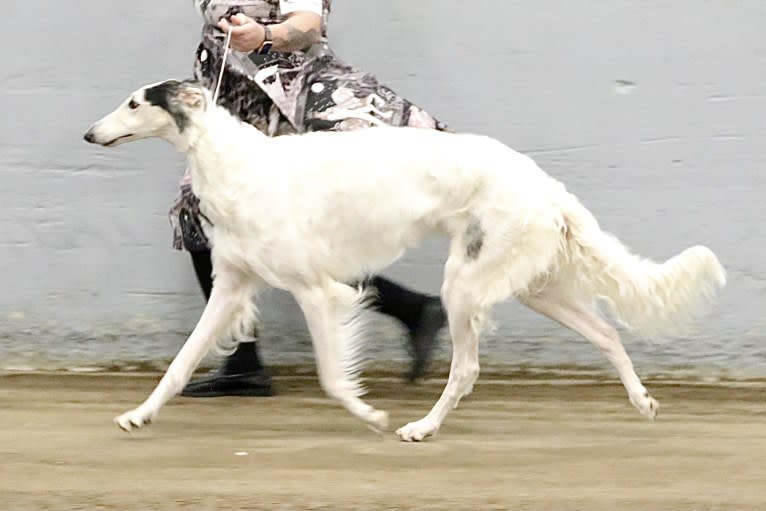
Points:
(308, 213)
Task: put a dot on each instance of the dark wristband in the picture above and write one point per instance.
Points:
(267, 43)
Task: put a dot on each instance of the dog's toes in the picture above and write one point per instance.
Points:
(654, 409)
(407, 434)
(123, 423)
(416, 431)
(646, 405)
(134, 419)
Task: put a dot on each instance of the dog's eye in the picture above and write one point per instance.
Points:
(133, 104)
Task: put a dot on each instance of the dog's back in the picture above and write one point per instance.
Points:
(360, 198)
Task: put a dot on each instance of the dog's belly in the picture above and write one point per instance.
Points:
(347, 253)
(292, 246)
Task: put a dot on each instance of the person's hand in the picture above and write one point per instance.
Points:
(246, 34)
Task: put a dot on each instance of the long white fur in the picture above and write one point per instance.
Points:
(308, 213)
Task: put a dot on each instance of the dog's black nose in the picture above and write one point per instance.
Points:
(89, 137)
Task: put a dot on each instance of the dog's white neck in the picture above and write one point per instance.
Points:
(213, 142)
(206, 141)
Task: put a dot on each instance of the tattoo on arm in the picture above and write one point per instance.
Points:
(297, 39)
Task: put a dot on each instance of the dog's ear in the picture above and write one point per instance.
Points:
(191, 97)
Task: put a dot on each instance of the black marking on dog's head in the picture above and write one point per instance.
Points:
(166, 96)
(474, 239)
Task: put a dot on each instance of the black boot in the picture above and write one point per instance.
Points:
(242, 373)
(422, 315)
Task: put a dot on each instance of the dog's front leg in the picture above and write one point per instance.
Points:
(325, 310)
(217, 316)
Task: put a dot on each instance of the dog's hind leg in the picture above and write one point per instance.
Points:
(331, 313)
(229, 295)
(486, 265)
(605, 337)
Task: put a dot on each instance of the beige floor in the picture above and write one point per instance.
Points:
(512, 445)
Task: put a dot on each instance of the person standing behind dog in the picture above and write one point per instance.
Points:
(285, 79)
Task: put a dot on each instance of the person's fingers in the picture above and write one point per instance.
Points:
(240, 19)
(240, 31)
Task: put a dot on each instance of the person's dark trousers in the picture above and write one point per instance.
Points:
(243, 373)
(422, 315)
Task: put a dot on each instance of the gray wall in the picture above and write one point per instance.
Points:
(651, 112)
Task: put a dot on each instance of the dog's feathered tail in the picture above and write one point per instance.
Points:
(650, 298)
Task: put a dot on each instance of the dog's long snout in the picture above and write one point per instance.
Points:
(89, 136)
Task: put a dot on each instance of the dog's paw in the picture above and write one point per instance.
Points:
(377, 421)
(135, 419)
(646, 405)
(417, 431)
